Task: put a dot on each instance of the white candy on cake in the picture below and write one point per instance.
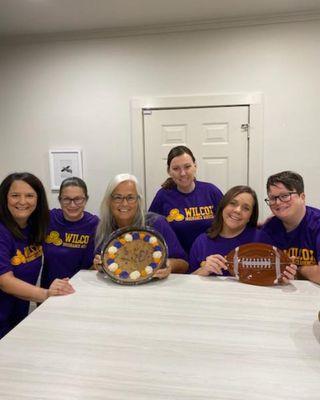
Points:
(135, 275)
(157, 254)
(128, 237)
(148, 269)
(113, 267)
(112, 249)
(153, 240)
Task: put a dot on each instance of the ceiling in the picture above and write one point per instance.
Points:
(43, 17)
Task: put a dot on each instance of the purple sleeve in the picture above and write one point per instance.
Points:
(156, 205)
(196, 255)
(317, 241)
(90, 250)
(312, 231)
(5, 254)
(175, 249)
(89, 254)
(216, 195)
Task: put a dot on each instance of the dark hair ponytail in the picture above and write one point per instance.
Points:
(168, 184)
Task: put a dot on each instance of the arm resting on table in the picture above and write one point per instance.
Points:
(23, 290)
(178, 265)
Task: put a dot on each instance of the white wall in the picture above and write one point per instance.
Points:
(77, 94)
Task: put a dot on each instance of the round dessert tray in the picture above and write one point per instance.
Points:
(132, 256)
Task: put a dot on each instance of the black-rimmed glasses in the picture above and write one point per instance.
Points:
(131, 198)
(78, 201)
(282, 197)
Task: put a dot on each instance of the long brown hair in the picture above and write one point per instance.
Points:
(175, 152)
(38, 220)
(217, 223)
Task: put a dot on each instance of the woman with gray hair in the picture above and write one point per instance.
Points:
(122, 206)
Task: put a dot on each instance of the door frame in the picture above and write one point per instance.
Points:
(255, 150)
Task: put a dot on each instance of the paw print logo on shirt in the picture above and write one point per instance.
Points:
(54, 238)
(175, 215)
(18, 259)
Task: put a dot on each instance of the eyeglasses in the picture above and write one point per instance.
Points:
(78, 201)
(282, 197)
(117, 198)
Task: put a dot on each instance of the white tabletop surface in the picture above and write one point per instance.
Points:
(185, 337)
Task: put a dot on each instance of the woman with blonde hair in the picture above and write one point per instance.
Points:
(122, 206)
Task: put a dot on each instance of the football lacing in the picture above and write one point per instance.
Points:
(264, 263)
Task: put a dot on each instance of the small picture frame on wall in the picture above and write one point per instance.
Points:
(64, 163)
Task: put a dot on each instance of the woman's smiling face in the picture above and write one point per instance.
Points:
(183, 170)
(236, 214)
(22, 201)
(73, 201)
(124, 203)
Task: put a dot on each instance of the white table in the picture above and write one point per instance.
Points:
(186, 337)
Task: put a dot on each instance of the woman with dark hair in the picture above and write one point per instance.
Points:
(235, 224)
(69, 245)
(24, 218)
(188, 205)
(122, 206)
(295, 226)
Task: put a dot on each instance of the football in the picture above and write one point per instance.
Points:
(257, 264)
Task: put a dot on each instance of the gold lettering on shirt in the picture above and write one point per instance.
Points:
(191, 214)
(29, 254)
(74, 240)
(302, 256)
(199, 213)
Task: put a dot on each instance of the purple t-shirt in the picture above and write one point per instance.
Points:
(189, 214)
(205, 246)
(24, 259)
(69, 246)
(159, 224)
(303, 242)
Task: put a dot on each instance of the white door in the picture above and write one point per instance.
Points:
(214, 134)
